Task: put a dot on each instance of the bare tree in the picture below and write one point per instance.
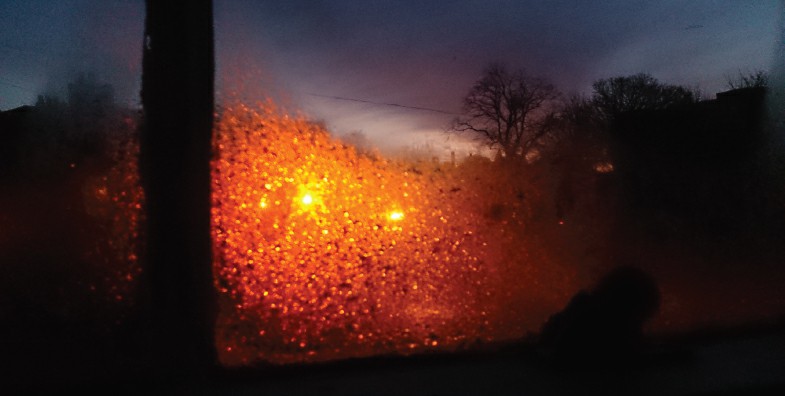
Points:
(507, 110)
(757, 79)
(613, 96)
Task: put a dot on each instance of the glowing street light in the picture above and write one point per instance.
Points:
(396, 215)
(307, 199)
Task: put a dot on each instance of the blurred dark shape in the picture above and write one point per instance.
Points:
(580, 148)
(11, 136)
(603, 327)
(710, 166)
(39, 143)
(88, 98)
(175, 148)
(66, 277)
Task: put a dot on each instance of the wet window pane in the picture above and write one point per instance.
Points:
(402, 178)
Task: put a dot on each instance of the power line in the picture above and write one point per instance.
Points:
(382, 103)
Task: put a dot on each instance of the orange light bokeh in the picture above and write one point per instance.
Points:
(322, 253)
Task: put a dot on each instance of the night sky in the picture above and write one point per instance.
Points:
(423, 54)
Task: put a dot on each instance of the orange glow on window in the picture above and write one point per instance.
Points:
(604, 167)
(307, 199)
(323, 268)
(395, 215)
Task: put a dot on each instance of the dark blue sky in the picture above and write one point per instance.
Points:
(414, 53)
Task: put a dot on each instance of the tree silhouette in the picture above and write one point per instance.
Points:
(613, 96)
(580, 150)
(579, 119)
(507, 110)
(757, 79)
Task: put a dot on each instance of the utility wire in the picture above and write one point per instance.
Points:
(381, 103)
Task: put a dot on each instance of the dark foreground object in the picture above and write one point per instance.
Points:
(736, 362)
(604, 326)
(175, 145)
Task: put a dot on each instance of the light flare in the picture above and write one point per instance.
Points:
(307, 199)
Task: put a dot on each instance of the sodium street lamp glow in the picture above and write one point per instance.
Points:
(307, 199)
